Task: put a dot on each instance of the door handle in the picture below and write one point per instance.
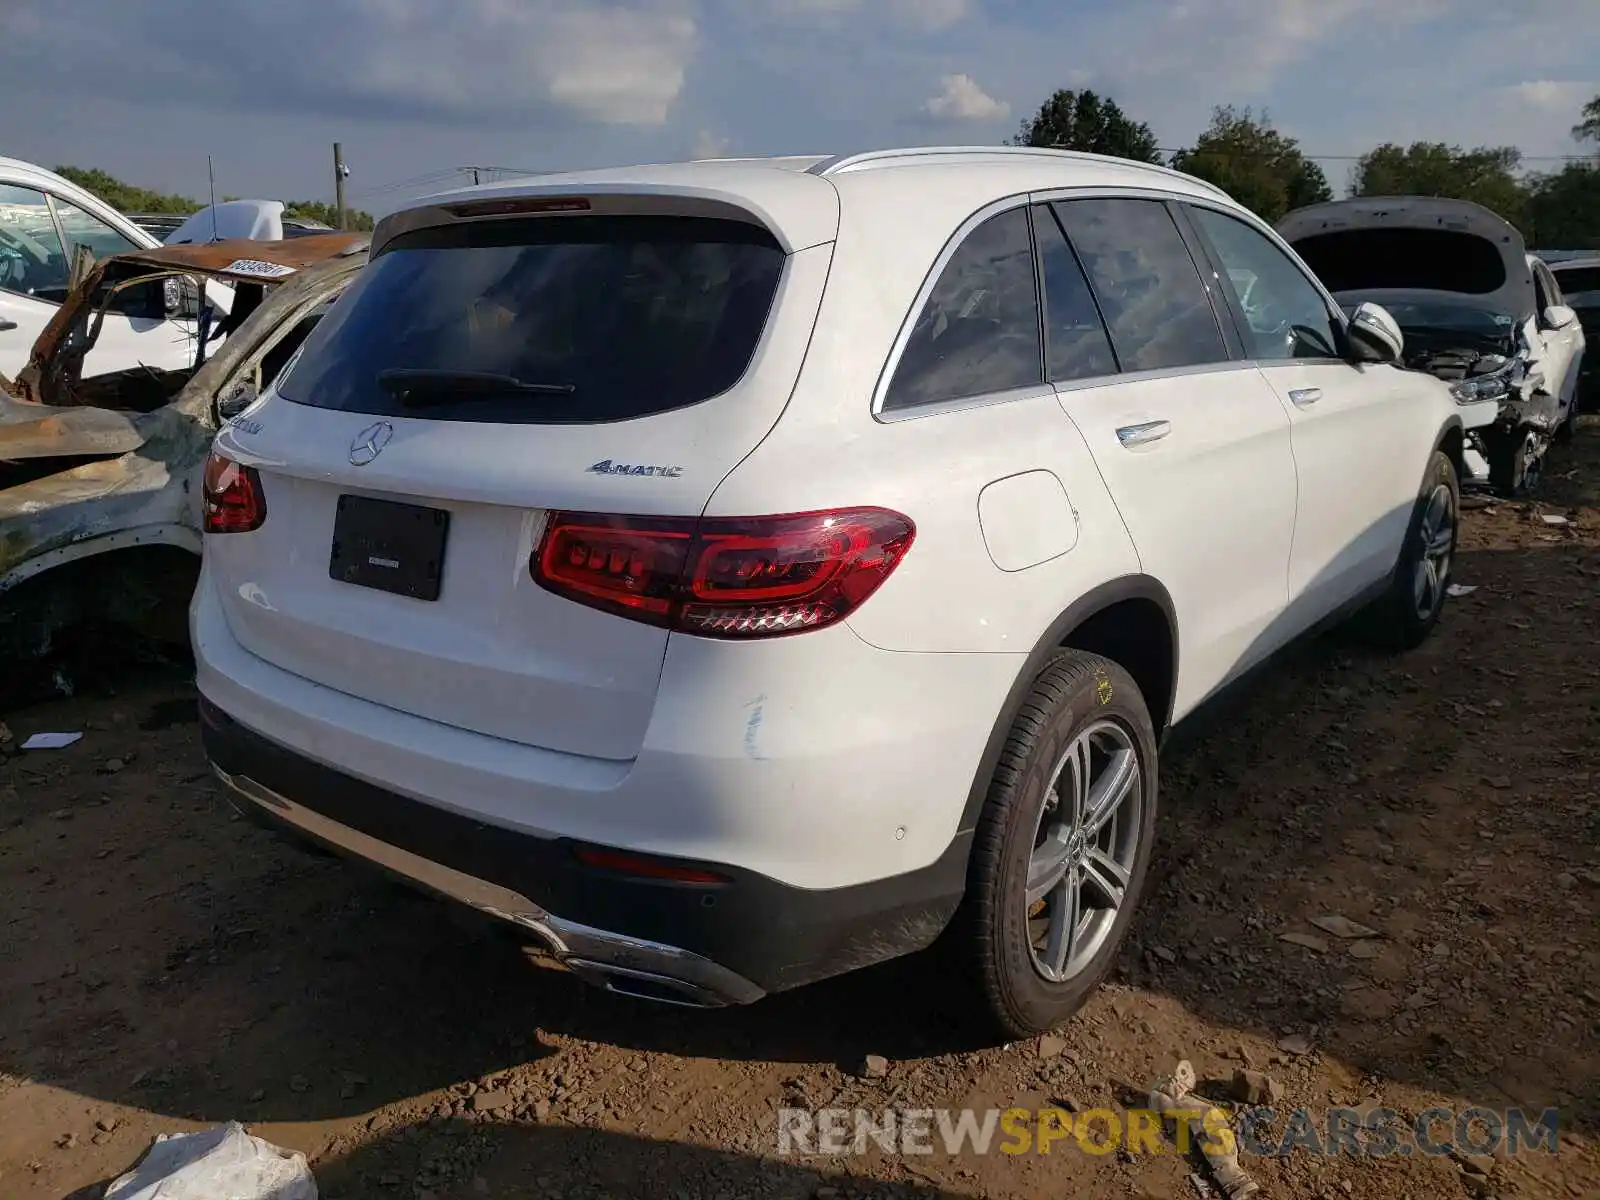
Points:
(6, 324)
(1140, 435)
(1305, 397)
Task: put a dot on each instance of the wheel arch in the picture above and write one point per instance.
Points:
(1452, 439)
(1130, 620)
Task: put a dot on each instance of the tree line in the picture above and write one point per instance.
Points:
(126, 198)
(1266, 171)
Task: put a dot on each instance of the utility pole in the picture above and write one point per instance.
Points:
(339, 173)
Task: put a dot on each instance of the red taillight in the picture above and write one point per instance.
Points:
(724, 577)
(232, 496)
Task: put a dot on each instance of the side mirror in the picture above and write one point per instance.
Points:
(180, 296)
(140, 301)
(1375, 335)
(1559, 316)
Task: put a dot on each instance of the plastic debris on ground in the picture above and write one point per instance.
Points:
(225, 1163)
(50, 741)
(1461, 589)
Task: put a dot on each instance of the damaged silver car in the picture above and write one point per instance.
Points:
(1476, 309)
(100, 476)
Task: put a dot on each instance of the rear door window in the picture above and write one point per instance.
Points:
(978, 332)
(1148, 286)
(1076, 344)
(545, 320)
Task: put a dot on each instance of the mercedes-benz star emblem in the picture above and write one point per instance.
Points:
(369, 443)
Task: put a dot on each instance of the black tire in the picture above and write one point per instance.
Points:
(1077, 696)
(1403, 618)
(1514, 465)
(1569, 426)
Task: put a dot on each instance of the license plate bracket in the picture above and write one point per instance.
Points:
(389, 546)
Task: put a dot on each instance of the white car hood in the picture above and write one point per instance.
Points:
(256, 220)
(1515, 297)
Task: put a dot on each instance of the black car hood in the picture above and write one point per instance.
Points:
(1385, 247)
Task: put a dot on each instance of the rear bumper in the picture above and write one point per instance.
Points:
(699, 944)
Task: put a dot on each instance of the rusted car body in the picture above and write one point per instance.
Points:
(100, 476)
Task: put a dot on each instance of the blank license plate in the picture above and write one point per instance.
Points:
(389, 546)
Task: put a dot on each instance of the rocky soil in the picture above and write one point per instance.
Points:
(164, 965)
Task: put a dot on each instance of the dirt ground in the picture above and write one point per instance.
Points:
(165, 965)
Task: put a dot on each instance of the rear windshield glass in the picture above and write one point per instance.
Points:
(545, 320)
(1439, 260)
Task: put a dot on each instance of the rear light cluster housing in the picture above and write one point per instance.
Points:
(231, 496)
(721, 577)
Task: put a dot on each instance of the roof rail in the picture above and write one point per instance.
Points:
(790, 162)
(868, 158)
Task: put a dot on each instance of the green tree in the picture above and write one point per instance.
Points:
(1085, 121)
(319, 210)
(1485, 175)
(1255, 164)
(1588, 127)
(125, 197)
(1563, 209)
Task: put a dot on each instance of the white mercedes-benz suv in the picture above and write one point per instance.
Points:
(736, 573)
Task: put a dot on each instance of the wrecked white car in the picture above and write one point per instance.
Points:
(46, 224)
(1476, 308)
(100, 475)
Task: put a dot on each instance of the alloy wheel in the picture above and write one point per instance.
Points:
(1084, 850)
(1437, 533)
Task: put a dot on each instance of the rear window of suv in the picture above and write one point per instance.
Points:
(545, 320)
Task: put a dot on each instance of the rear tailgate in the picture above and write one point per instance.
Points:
(680, 342)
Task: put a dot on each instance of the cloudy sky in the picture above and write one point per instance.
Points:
(413, 88)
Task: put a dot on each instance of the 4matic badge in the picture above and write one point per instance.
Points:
(607, 467)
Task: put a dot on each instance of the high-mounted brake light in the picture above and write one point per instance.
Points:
(741, 577)
(232, 497)
(517, 206)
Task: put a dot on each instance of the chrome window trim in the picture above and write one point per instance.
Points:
(908, 323)
(937, 408)
(1056, 390)
(1032, 391)
(1097, 381)
(1249, 218)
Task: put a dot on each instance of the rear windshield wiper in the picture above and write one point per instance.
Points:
(425, 385)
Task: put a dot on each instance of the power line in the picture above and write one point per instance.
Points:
(413, 181)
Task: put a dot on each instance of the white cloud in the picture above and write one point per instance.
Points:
(1552, 95)
(961, 99)
(618, 62)
(709, 145)
(613, 65)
